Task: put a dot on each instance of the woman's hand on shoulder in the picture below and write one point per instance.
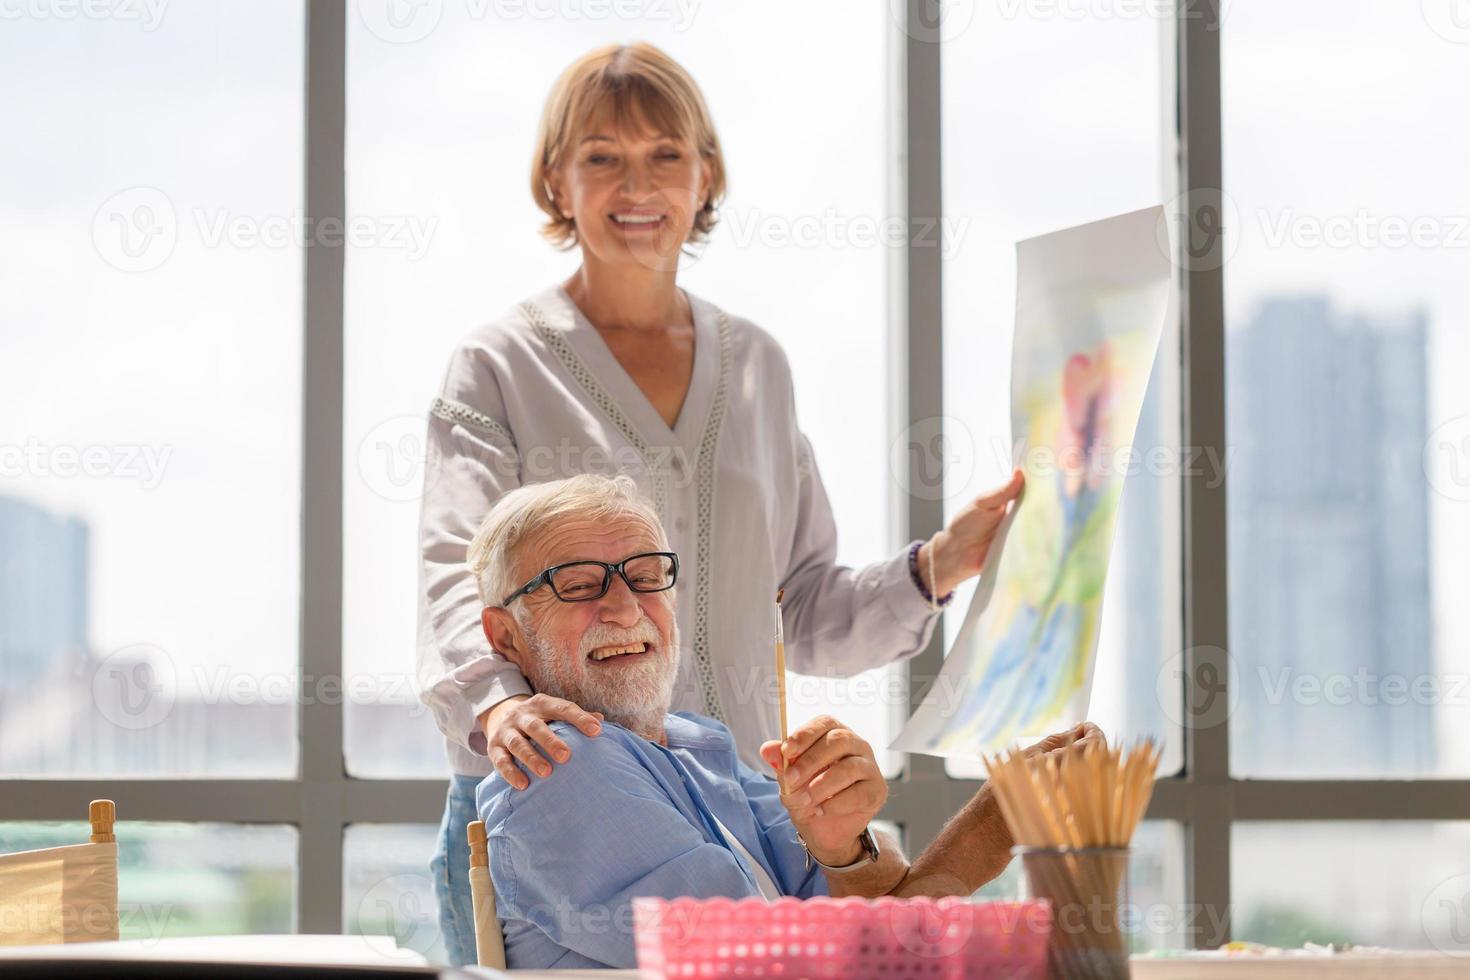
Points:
(518, 734)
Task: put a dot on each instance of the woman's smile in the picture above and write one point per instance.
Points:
(636, 222)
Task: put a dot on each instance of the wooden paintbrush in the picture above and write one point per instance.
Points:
(781, 674)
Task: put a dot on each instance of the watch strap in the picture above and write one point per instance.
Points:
(866, 840)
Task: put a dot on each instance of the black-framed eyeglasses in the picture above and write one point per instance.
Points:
(583, 581)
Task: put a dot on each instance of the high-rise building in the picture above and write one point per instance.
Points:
(1329, 540)
(43, 591)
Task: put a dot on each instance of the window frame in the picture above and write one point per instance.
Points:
(1203, 797)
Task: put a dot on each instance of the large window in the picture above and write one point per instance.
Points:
(150, 445)
(197, 879)
(1088, 144)
(212, 365)
(1346, 343)
(1342, 256)
(1401, 889)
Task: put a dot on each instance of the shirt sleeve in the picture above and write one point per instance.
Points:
(778, 835)
(570, 853)
(840, 621)
(470, 460)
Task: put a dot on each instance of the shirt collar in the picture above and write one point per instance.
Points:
(686, 730)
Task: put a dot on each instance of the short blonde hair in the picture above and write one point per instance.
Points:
(630, 83)
(530, 510)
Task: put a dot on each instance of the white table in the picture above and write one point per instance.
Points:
(382, 953)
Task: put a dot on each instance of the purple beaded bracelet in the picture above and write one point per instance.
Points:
(919, 579)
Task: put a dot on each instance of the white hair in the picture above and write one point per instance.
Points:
(528, 511)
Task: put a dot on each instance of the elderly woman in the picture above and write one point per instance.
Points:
(618, 370)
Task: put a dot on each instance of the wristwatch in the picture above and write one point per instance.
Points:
(869, 845)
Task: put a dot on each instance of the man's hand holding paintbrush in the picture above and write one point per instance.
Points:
(831, 786)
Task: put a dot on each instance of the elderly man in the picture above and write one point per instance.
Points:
(577, 581)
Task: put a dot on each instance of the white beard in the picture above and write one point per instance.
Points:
(636, 697)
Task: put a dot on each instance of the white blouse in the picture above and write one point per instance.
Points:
(537, 395)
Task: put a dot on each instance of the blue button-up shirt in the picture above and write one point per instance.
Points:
(625, 817)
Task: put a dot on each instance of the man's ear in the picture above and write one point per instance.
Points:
(504, 634)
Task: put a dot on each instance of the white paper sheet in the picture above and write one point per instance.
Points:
(1091, 303)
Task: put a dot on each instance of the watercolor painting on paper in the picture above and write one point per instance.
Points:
(1091, 304)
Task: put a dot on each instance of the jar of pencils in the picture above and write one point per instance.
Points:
(1088, 891)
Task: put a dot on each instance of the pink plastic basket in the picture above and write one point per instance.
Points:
(847, 937)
